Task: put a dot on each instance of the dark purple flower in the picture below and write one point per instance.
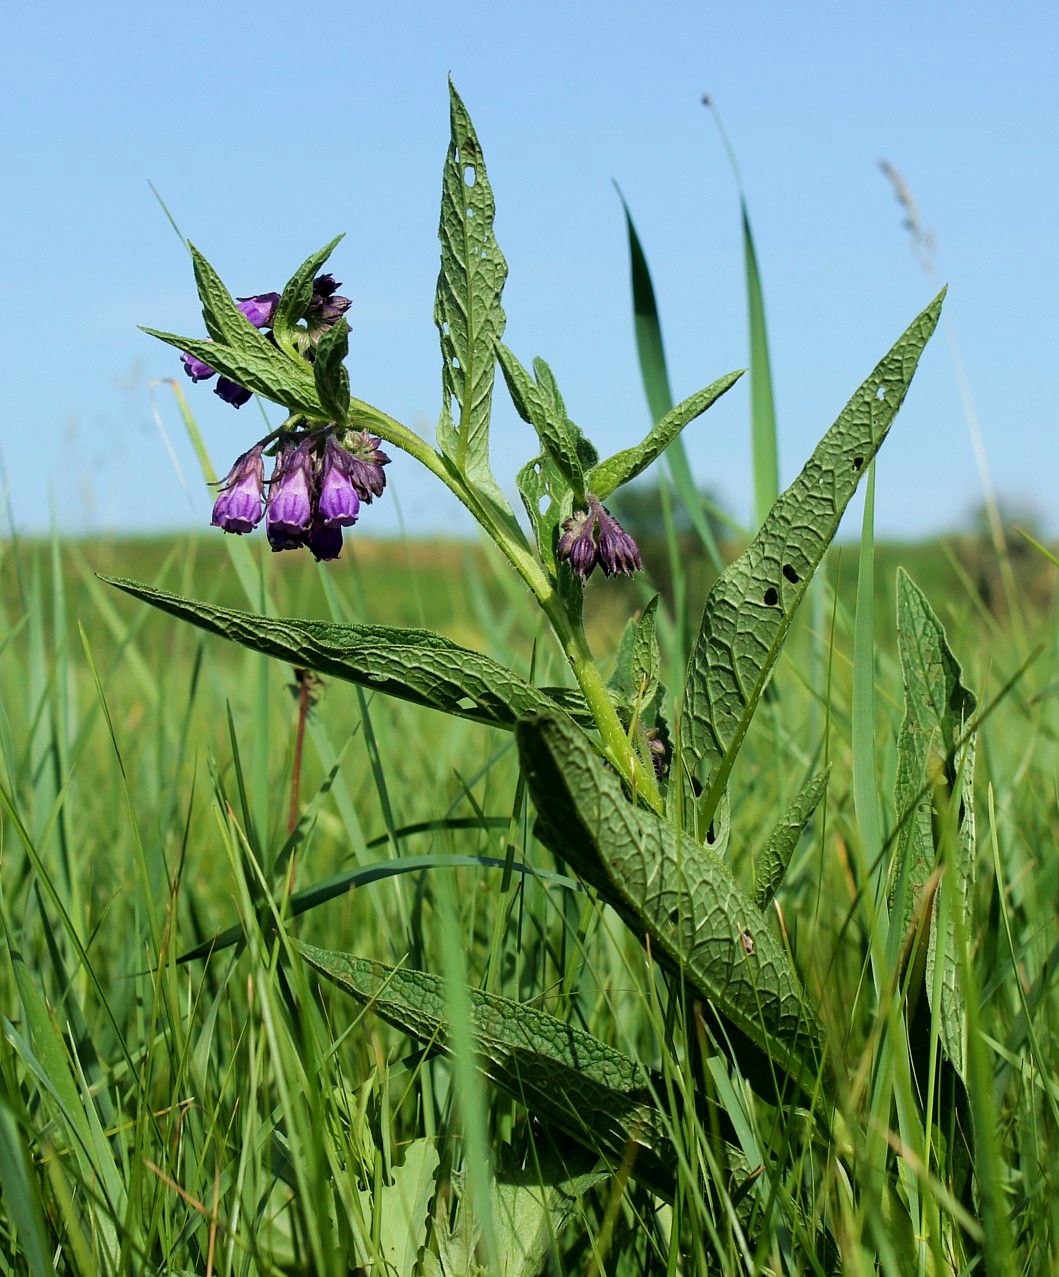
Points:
(324, 541)
(657, 747)
(366, 461)
(280, 540)
(325, 307)
(195, 368)
(617, 552)
(577, 544)
(238, 505)
(231, 392)
(290, 496)
(337, 504)
(260, 310)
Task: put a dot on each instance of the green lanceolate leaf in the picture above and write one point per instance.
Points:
(332, 380)
(257, 365)
(935, 796)
(562, 1074)
(298, 293)
(623, 466)
(539, 410)
(467, 307)
(673, 893)
(414, 665)
(225, 322)
(773, 859)
(636, 668)
(750, 608)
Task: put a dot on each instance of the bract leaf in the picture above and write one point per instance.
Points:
(626, 465)
(298, 292)
(257, 365)
(329, 373)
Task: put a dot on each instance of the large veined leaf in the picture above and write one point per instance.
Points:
(750, 608)
(415, 665)
(673, 893)
(935, 761)
(467, 307)
(562, 1074)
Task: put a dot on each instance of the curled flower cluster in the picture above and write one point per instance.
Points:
(594, 536)
(313, 493)
(325, 309)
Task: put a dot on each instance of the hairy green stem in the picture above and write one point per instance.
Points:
(615, 741)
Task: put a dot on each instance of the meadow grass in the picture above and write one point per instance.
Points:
(233, 1115)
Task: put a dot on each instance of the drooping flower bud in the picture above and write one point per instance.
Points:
(231, 392)
(614, 550)
(577, 544)
(324, 541)
(290, 497)
(617, 552)
(260, 309)
(326, 307)
(366, 461)
(338, 503)
(196, 369)
(238, 505)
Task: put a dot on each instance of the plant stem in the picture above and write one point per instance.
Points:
(615, 741)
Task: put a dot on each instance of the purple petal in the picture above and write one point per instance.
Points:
(196, 369)
(260, 310)
(290, 492)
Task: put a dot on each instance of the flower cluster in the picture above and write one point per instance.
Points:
(594, 536)
(315, 491)
(325, 309)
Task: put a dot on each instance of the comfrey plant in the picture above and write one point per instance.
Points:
(629, 779)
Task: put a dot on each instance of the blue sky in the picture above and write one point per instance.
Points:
(269, 128)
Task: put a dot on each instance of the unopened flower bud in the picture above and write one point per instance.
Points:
(324, 541)
(326, 307)
(231, 392)
(617, 552)
(366, 461)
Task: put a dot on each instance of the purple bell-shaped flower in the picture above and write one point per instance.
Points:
(238, 506)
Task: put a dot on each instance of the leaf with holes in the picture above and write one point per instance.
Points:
(934, 800)
(626, 465)
(770, 866)
(414, 665)
(749, 610)
(467, 307)
(562, 1074)
(674, 894)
